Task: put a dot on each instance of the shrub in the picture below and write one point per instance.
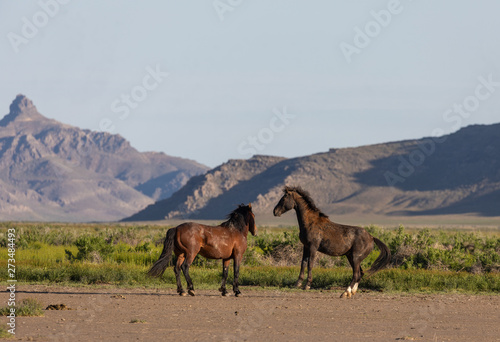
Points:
(127, 235)
(92, 248)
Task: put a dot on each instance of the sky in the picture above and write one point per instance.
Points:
(225, 79)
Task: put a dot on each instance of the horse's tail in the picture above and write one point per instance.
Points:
(383, 259)
(165, 259)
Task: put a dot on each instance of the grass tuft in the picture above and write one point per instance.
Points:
(28, 307)
(135, 320)
(4, 333)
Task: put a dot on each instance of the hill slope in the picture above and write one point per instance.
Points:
(53, 171)
(458, 173)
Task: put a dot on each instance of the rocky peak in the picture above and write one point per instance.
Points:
(53, 171)
(21, 103)
(21, 110)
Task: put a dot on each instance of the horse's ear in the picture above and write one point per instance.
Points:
(250, 205)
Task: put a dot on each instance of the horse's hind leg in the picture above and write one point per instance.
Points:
(225, 271)
(356, 275)
(185, 269)
(177, 271)
(361, 273)
(357, 272)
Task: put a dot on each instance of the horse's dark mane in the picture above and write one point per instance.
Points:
(306, 197)
(237, 218)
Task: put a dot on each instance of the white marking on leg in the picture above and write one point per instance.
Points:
(355, 288)
(347, 293)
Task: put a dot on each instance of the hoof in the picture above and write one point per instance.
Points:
(298, 284)
(307, 287)
(191, 292)
(183, 294)
(346, 295)
(237, 294)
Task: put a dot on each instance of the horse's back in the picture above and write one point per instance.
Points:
(213, 242)
(189, 228)
(338, 239)
(193, 228)
(188, 234)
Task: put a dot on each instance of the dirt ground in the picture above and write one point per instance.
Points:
(113, 314)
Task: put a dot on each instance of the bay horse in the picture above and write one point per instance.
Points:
(318, 233)
(226, 241)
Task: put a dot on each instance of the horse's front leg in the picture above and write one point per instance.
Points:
(305, 259)
(236, 289)
(310, 265)
(225, 271)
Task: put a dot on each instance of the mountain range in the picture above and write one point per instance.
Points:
(50, 171)
(457, 173)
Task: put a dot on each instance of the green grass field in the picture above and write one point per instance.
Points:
(424, 260)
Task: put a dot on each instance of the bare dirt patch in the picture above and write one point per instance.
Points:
(109, 314)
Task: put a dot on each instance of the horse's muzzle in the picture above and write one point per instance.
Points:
(276, 212)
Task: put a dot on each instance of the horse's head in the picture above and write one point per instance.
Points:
(243, 218)
(286, 203)
(251, 220)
